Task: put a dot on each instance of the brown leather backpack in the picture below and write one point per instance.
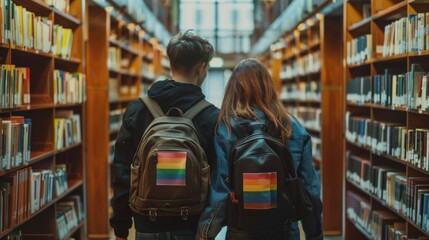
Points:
(170, 172)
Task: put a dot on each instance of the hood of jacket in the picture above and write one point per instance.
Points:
(169, 93)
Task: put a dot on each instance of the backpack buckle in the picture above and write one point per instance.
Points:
(233, 197)
(184, 212)
(152, 214)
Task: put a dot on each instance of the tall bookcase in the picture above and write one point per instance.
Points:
(369, 18)
(309, 67)
(123, 62)
(42, 111)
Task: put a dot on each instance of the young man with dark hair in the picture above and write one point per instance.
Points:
(189, 60)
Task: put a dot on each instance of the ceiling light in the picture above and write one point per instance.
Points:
(216, 62)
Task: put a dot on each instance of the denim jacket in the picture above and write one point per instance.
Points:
(214, 215)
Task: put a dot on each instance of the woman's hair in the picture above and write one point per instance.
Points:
(251, 86)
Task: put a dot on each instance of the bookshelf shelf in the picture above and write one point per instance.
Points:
(122, 100)
(35, 158)
(65, 19)
(71, 60)
(65, 149)
(74, 186)
(392, 11)
(124, 47)
(18, 49)
(74, 230)
(361, 229)
(361, 26)
(365, 64)
(317, 159)
(36, 6)
(313, 130)
(67, 105)
(418, 228)
(384, 60)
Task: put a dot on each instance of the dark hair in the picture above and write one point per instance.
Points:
(187, 50)
(251, 86)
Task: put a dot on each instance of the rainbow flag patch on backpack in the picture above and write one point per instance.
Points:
(171, 169)
(260, 190)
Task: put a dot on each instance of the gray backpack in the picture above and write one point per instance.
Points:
(170, 173)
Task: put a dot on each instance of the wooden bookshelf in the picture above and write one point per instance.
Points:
(309, 71)
(111, 87)
(383, 12)
(42, 111)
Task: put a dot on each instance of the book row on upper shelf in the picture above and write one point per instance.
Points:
(408, 145)
(394, 88)
(316, 146)
(115, 119)
(27, 190)
(309, 117)
(14, 86)
(405, 35)
(15, 142)
(376, 224)
(117, 62)
(62, 5)
(67, 129)
(23, 28)
(69, 214)
(408, 196)
(68, 88)
(308, 64)
(302, 91)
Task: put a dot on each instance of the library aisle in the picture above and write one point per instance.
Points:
(353, 73)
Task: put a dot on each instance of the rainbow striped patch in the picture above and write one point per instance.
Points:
(171, 169)
(260, 190)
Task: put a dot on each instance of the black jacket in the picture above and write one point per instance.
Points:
(137, 117)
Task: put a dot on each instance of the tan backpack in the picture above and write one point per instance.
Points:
(170, 172)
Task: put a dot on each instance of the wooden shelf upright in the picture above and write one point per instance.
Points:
(123, 62)
(310, 78)
(42, 111)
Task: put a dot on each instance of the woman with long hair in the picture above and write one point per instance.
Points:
(250, 97)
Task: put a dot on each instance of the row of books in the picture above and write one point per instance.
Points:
(14, 86)
(15, 142)
(316, 146)
(111, 150)
(393, 89)
(67, 129)
(148, 71)
(115, 119)
(308, 64)
(26, 191)
(23, 28)
(409, 196)
(408, 34)
(68, 215)
(114, 58)
(62, 5)
(359, 49)
(130, 89)
(302, 91)
(382, 224)
(309, 117)
(69, 87)
(410, 145)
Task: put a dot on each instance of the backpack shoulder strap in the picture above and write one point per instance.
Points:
(197, 108)
(153, 106)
